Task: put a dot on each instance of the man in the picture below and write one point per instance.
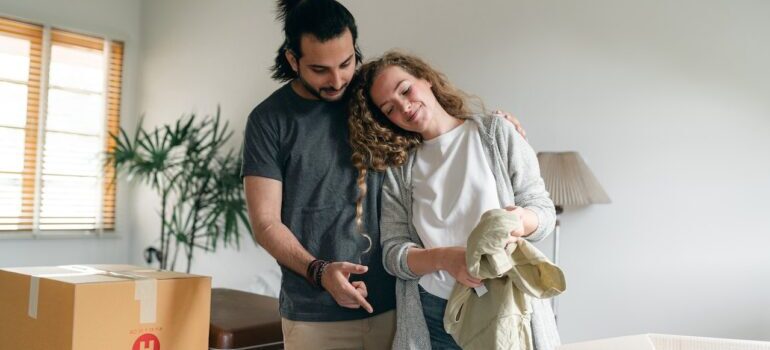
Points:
(301, 189)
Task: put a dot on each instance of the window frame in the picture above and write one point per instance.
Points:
(107, 188)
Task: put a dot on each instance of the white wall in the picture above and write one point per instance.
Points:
(197, 55)
(667, 101)
(116, 19)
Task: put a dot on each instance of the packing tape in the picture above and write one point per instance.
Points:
(145, 289)
(34, 284)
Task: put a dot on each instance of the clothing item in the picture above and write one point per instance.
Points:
(513, 274)
(517, 179)
(433, 309)
(452, 185)
(373, 333)
(304, 144)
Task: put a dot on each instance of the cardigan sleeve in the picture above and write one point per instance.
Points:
(394, 227)
(528, 186)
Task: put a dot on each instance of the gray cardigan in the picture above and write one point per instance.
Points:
(517, 177)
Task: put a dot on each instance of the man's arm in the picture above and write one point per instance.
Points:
(264, 198)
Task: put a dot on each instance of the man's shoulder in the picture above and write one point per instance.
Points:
(275, 104)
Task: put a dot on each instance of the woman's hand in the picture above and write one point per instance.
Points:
(519, 211)
(528, 219)
(453, 261)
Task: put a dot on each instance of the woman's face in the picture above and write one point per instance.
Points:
(406, 100)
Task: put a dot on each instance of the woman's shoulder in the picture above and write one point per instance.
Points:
(492, 128)
(482, 119)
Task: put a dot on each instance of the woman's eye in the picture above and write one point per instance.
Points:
(406, 91)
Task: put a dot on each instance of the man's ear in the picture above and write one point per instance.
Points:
(292, 60)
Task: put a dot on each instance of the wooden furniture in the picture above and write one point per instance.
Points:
(244, 321)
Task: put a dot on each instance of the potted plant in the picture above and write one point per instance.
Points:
(197, 179)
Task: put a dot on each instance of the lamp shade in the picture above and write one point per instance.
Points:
(569, 180)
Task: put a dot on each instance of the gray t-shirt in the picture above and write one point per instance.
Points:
(304, 144)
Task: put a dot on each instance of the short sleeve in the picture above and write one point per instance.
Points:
(261, 148)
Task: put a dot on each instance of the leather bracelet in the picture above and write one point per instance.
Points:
(315, 271)
(311, 271)
(319, 274)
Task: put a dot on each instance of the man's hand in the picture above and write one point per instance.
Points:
(336, 281)
(516, 123)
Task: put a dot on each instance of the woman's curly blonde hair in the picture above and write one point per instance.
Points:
(378, 143)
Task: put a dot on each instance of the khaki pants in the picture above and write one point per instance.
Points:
(370, 333)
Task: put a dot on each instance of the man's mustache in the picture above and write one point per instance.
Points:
(331, 89)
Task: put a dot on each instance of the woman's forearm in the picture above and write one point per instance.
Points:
(531, 222)
(423, 261)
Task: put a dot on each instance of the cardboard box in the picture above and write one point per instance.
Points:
(103, 307)
(666, 342)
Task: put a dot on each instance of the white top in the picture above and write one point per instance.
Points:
(452, 186)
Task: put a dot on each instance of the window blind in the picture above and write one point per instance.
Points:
(52, 176)
(20, 69)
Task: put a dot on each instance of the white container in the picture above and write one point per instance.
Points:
(666, 342)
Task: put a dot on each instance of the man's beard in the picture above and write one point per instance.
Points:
(317, 93)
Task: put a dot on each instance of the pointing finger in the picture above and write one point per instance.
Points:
(362, 301)
(354, 268)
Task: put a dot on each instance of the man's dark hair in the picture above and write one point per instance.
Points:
(324, 19)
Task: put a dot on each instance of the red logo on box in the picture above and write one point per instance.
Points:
(147, 342)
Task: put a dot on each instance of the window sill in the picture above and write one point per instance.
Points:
(53, 235)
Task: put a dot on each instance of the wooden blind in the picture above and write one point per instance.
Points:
(23, 219)
(63, 37)
(45, 202)
(115, 81)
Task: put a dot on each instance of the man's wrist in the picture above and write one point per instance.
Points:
(315, 271)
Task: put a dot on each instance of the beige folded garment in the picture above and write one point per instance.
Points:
(513, 275)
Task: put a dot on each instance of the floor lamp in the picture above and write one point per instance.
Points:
(570, 183)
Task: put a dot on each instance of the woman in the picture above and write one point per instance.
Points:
(445, 167)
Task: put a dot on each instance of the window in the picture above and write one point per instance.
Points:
(59, 100)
